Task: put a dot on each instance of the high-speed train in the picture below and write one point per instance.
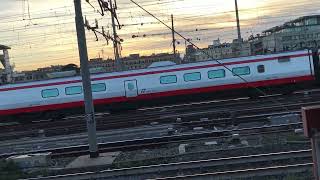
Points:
(152, 86)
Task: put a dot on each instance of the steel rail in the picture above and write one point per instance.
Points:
(142, 120)
(150, 171)
(136, 144)
(247, 173)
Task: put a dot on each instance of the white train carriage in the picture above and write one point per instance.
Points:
(156, 84)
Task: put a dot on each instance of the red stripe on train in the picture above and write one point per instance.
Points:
(158, 95)
(152, 72)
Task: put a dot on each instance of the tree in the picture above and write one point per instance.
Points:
(70, 67)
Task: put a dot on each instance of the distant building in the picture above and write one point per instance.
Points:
(55, 68)
(99, 65)
(301, 33)
(219, 50)
(27, 76)
(133, 61)
(190, 54)
(37, 75)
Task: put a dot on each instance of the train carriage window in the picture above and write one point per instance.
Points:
(192, 77)
(261, 69)
(98, 87)
(214, 74)
(73, 90)
(239, 71)
(48, 93)
(168, 79)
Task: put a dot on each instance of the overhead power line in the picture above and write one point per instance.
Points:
(219, 62)
(55, 26)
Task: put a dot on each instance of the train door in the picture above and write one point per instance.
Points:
(131, 88)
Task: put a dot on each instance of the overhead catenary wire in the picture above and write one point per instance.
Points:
(17, 28)
(51, 31)
(220, 63)
(150, 23)
(295, 6)
(23, 29)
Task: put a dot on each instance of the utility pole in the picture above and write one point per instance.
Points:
(86, 81)
(173, 37)
(115, 38)
(238, 22)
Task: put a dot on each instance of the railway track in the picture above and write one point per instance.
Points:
(145, 143)
(248, 173)
(241, 166)
(205, 117)
(239, 114)
(204, 114)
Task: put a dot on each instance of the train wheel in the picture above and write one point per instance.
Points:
(288, 90)
(253, 93)
(53, 115)
(58, 117)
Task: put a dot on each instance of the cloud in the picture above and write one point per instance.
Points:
(53, 39)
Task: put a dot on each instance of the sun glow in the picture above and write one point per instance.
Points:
(43, 32)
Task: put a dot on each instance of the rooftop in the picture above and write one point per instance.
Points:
(301, 21)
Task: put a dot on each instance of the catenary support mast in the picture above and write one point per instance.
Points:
(115, 37)
(88, 102)
(238, 21)
(173, 38)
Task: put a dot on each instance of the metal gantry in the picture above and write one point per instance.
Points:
(109, 6)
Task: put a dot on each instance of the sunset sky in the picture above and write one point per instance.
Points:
(42, 33)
